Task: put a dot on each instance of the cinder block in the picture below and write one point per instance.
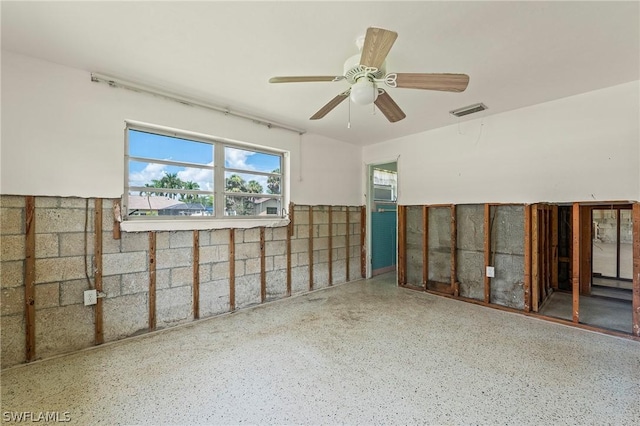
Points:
(320, 216)
(220, 236)
(107, 215)
(214, 297)
(508, 230)
(320, 276)
(339, 216)
(47, 295)
(470, 227)
(268, 263)
(247, 251)
(12, 201)
(299, 279)
(210, 254)
(181, 239)
(268, 234)
(173, 258)
(276, 284)
(64, 329)
(162, 240)
(439, 228)
(123, 263)
(440, 265)
(507, 288)
(12, 334)
(220, 271)
(340, 229)
(173, 306)
(301, 231)
(247, 290)
(470, 272)
(239, 268)
(111, 285)
(125, 316)
(339, 271)
(274, 248)
(109, 244)
(61, 220)
(252, 235)
(279, 262)
(252, 266)
(60, 269)
(12, 247)
(12, 273)
(47, 202)
(280, 233)
(303, 259)
(339, 241)
(72, 244)
(323, 230)
(12, 301)
(300, 245)
(163, 278)
(320, 243)
(11, 221)
(181, 276)
(76, 203)
(320, 256)
(204, 238)
(135, 283)
(204, 272)
(134, 241)
(47, 245)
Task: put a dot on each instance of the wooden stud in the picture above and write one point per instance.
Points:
(310, 248)
(454, 232)
(97, 267)
(348, 226)
(543, 252)
(618, 217)
(487, 252)
(636, 270)
(289, 235)
(575, 272)
(527, 258)
(425, 246)
(117, 217)
(585, 249)
(402, 245)
(263, 267)
(535, 259)
(330, 243)
(363, 242)
(152, 280)
(554, 247)
(30, 277)
(232, 270)
(196, 274)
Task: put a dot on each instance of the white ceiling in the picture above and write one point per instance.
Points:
(516, 53)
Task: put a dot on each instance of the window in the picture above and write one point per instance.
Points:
(173, 174)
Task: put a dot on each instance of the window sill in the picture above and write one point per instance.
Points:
(202, 224)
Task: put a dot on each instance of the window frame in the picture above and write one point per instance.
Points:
(219, 219)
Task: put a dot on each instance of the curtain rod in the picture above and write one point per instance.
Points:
(136, 87)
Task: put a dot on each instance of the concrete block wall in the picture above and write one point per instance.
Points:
(506, 255)
(63, 247)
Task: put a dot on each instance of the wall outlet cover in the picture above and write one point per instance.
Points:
(491, 271)
(90, 297)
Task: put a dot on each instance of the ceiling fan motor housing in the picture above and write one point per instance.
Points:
(353, 71)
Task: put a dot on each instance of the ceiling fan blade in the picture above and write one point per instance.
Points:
(389, 108)
(377, 44)
(444, 82)
(305, 79)
(329, 106)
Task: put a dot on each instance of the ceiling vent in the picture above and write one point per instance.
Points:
(461, 112)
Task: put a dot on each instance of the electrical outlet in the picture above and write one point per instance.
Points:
(491, 271)
(90, 297)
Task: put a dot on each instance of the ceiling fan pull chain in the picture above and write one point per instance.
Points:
(349, 120)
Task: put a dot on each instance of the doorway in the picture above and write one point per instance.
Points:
(383, 195)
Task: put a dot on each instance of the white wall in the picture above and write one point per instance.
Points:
(581, 148)
(62, 135)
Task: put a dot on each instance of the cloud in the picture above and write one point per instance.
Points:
(202, 177)
(237, 159)
(149, 173)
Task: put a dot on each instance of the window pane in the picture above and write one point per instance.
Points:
(255, 184)
(151, 204)
(149, 145)
(243, 159)
(251, 206)
(157, 175)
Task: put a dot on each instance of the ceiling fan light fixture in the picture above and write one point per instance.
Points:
(364, 92)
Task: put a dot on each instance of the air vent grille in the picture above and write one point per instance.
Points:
(461, 112)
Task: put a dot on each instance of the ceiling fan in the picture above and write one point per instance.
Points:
(366, 71)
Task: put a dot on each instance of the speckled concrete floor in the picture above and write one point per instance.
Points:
(360, 353)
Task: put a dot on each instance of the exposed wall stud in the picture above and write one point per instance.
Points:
(30, 277)
(348, 272)
(310, 248)
(232, 270)
(97, 268)
(196, 274)
(527, 258)
(425, 246)
(402, 245)
(554, 247)
(263, 273)
(636, 270)
(487, 251)
(454, 230)
(535, 260)
(575, 272)
(289, 236)
(363, 242)
(152, 280)
(330, 243)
